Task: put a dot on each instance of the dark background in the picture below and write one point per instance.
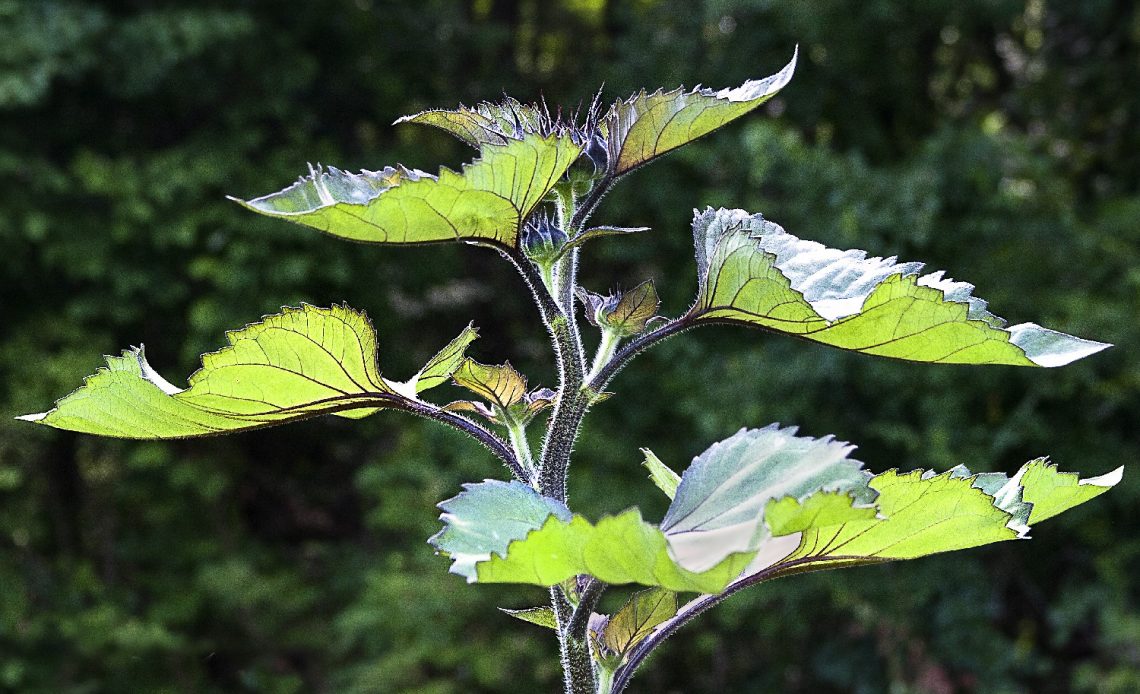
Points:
(997, 140)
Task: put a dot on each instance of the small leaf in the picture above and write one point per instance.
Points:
(645, 126)
(665, 479)
(542, 616)
(641, 614)
(623, 313)
(718, 508)
(596, 233)
(296, 364)
(439, 368)
(485, 123)
(486, 204)
(754, 273)
(501, 385)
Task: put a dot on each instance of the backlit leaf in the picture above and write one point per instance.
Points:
(718, 508)
(662, 476)
(637, 618)
(485, 123)
(499, 385)
(756, 478)
(292, 365)
(754, 273)
(485, 204)
(542, 616)
(645, 126)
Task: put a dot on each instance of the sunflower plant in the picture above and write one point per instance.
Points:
(762, 504)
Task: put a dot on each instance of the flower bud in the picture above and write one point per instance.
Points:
(542, 239)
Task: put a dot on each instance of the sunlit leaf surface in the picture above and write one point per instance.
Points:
(486, 203)
(292, 365)
(752, 272)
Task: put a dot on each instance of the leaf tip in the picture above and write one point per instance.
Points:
(1109, 479)
(38, 417)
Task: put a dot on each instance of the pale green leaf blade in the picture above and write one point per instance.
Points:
(638, 617)
(645, 126)
(484, 518)
(1052, 492)
(719, 504)
(617, 550)
(661, 474)
(292, 365)
(500, 385)
(542, 616)
(439, 368)
(485, 204)
(752, 272)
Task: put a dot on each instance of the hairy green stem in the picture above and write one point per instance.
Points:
(521, 446)
(500, 448)
(606, 349)
(600, 377)
(704, 603)
(577, 666)
(580, 619)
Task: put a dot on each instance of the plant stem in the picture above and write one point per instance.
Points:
(706, 602)
(580, 619)
(521, 446)
(502, 450)
(577, 666)
(601, 376)
(605, 353)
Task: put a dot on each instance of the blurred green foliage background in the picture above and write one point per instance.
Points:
(996, 139)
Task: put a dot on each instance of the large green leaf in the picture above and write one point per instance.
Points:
(292, 365)
(753, 272)
(645, 126)
(820, 518)
(717, 508)
(486, 204)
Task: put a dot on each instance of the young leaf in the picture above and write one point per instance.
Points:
(624, 313)
(440, 367)
(719, 504)
(486, 204)
(754, 273)
(542, 616)
(501, 385)
(645, 126)
(485, 517)
(662, 476)
(485, 124)
(296, 364)
(640, 615)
